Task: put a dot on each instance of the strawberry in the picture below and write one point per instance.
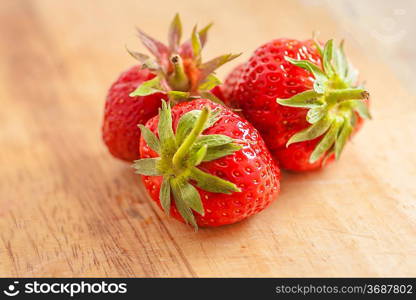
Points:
(213, 163)
(303, 99)
(175, 74)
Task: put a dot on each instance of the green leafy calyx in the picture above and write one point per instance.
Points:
(179, 67)
(180, 154)
(333, 102)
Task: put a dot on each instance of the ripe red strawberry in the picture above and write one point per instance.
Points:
(176, 73)
(230, 83)
(318, 107)
(213, 162)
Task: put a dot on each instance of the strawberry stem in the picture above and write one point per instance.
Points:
(183, 150)
(178, 80)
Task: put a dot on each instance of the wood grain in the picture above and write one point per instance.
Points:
(67, 208)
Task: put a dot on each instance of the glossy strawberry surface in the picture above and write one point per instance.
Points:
(230, 84)
(123, 113)
(251, 169)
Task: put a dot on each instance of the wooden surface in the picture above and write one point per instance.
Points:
(67, 208)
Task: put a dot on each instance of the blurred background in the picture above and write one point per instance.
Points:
(67, 208)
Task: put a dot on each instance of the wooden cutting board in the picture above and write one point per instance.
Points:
(67, 208)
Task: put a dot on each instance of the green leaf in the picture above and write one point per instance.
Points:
(214, 116)
(138, 56)
(213, 140)
(340, 61)
(342, 138)
(212, 97)
(317, 44)
(182, 205)
(147, 166)
(212, 183)
(149, 87)
(196, 45)
(210, 66)
(164, 195)
(203, 34)
(188, 120)
(209, 83)
(362, 108)
(175, 33)
(221, 151)
(327, 58)
(155, 47)
(307, 99)
(320, 77)
(326, 142)
(166, 136)
(312, 132)
(150, 138)
(316, 114)
(178, 95)
(191, 196)
(197, 157)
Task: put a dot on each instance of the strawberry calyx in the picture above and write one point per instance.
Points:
(333, 103)
(180, 154)
(179, 69)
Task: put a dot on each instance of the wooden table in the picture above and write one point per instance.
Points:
(67, 208)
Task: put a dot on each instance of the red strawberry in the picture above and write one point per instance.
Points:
(123, 113)
(231, 82)
(318, 103)
(214, 163)
(176, 74)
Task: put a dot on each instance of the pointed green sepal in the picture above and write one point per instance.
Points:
(209, 83)
(158, 49)
(312, 132)
(203, 34)
(137, 55)
(212, 97)
(342, 138)
(196, 45)
(327, 141)
(210, 66)
(316, 114)
(175, 34)
(149, 87)
(151, 140)
(327, 58)
(164, 195)
(213, 140)
(182, 205)
(166, 135)
(320, 77)
(212, 183)
(307, 99)
(147, 166)
(214, 153)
